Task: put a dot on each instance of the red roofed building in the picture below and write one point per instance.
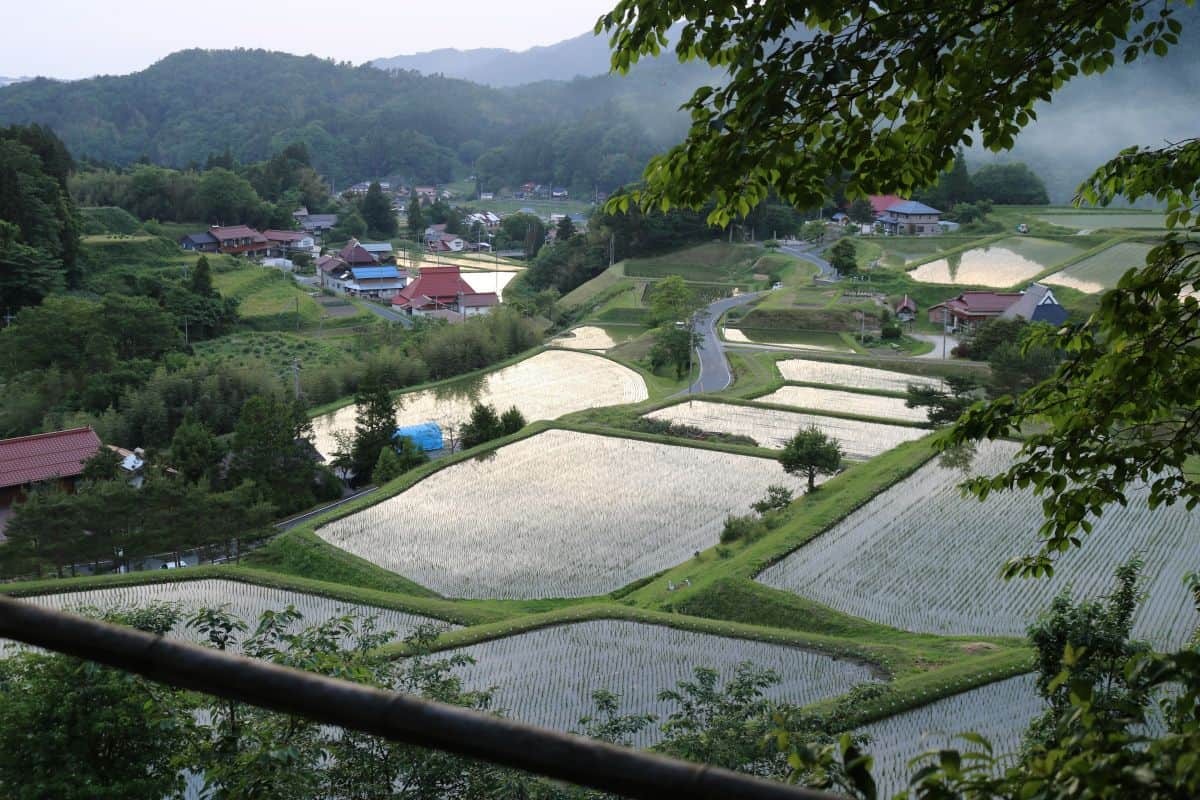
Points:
(443, 289)
(355, 255)
(971, 308)
(56, 456)
(283, 243)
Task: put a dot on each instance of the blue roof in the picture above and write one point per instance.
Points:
(366, 273)
(426, 435)
(911, 207)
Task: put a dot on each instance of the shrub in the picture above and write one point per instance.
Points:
(890, 331)
(741, 528)
(776, 497)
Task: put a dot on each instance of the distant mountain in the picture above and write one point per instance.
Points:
(9, 81)
(585, 55)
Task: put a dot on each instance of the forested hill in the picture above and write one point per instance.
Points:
(361, 122)
(586, 55)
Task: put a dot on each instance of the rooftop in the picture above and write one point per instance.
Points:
(43, 456)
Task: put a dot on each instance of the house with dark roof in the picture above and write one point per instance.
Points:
(381, 250)
(882, 202)
(356, 255)
(240, 240)
(203, 242)
(285, 243)
(44, 458)
(317, 224)
(1036, 304)
(906, 309)
(442, 289)
(910, 218)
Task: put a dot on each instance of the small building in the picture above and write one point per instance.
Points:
(44, 458)
(487, 195)
(443, 289)
(559, 193)
(356, 255)
(840, 218)
(910, 218)
(426, 435)
(203, 242)
(906, 309)
(382, 251)
(317, 224)
(382, 282)
(240, 240)
(1037, 304)
(285, 243)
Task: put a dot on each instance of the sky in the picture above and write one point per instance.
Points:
(81, 38)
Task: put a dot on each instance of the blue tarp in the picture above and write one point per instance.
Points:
(427, 435)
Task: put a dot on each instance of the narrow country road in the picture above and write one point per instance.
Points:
(387, 313)
(806, 252)
(714, 368)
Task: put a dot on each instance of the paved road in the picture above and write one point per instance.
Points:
(943, 345)
(714, 368)
(807, 252)
(388, 314)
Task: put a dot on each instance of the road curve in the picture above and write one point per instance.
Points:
(805, 252)
(714, 368)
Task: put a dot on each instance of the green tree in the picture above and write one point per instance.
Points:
(100, 732)
(811, 453)
(377, 212)
(1010, 184)
(27, 275)
(565, 229)
(201, 282)
(861, 211)
(375, 424)
(673, 347)
(945, 404)
(843, 256)
(387, 466)
(670, 300)
(226, 198)
(103, 465)
(416, 219)
(195, 452)
(511, 421)
(483, 426)
(813, 230)
(267, 451)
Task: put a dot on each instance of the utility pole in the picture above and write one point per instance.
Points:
(185, 330)
(296, 377)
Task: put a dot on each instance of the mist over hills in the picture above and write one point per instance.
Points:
(430, 116)
(585, 55)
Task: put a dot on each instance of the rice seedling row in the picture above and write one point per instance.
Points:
(922, 557)
(851, 376)
(738, 336)
(490, 281)
(244, 600)
(546, 677)
(1103, 270)
(1000, 712)
(546, 386)
(1094, 221)
(774, 428)
(560, 514)
(867, 405)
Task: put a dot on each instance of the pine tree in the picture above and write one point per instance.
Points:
(202, 278)
(377, 212)
(416, 220)
(375, 426)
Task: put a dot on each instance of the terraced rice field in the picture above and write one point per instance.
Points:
(245, 600)
(922, 557)
(1101, 271)
(820, 340)
(492, 281)
(585, 337)
(546, 386)
(1000, 712)
(1102, 220)
(867, 405)
(850, 376)
(546, 677)
(560, 514)
(773, 428)
(1007, 263)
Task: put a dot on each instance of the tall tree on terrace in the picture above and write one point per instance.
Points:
(811, 453)
(377, 211)
(416, 219)
(889, 91)
(375, 425)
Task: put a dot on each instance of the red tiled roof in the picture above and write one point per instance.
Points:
(907, 303)
(28, 459)
(882, 202)
(480, 300)
(236, 232)
(284, 236)
(982, 302)
(354, 255)
(441, 284)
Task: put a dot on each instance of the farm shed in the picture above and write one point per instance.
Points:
(426, 435)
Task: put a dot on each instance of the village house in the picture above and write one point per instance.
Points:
(1036, 304)
(382, 251)
(316, 224)
(203, 242)
(910, 218)
(240, 240)
(355, 255)
(54, 458)
(287, 243)
(377, 281)
(427, 194)
(438, 290)
(906, 309)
